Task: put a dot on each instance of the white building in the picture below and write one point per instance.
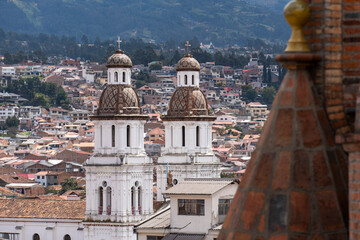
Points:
(9, 111)
(8, 71)
(188, 124)
(38, 219)
(119, 175)
(197, 210)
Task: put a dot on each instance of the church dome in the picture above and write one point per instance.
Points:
(188, 101)
(188, 63)
(119, 99)
(119, 60)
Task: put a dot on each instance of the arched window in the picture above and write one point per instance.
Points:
(133, 200)
(101, 200)
(113, 135)
(123, 76)
(36, 236)
(183, 136)
(197, 136)
(108, 199)
(193, 80)
(185, 79)
(116, 77)
(139, 199)
(128, 135)
(67, 237)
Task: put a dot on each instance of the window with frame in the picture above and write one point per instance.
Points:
(224, 205)
(191, 207)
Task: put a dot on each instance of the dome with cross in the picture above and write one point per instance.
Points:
(119, 59)
(188, 63)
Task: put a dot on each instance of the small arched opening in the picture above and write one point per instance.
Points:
(183, 136)
(139, 199)
(133, 200)
(36, 236)
(197, 136)
(113, 135)
(101, 200)
(116, 77)
(128, 135)
(123, 77)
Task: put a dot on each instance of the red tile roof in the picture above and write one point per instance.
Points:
(41, 208)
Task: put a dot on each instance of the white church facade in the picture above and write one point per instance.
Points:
(119, 174)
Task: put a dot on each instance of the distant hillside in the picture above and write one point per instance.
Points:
(274, 5)
(222, 22)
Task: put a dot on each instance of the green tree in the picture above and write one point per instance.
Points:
(175, 58)
(227, 175)
(69, 184)
(268, 94)
(12, 122)
(41, 100)
(155, 66)
(268, 78)
(248, 93)
(265, 79)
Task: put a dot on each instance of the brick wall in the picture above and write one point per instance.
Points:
(324, 33)
(334, 33)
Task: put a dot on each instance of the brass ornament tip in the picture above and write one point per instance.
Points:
(297, 14)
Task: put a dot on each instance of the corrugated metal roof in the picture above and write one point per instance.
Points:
(174, 236)
(161, 220)
(199, 187)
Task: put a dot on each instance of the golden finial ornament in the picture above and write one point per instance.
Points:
(297, 14)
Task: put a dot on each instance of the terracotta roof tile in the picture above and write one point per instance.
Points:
(41, 208)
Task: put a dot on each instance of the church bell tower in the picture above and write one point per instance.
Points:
(119, 175)
(188, 137)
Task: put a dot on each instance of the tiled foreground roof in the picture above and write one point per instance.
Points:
(39, 208)
(295, 186)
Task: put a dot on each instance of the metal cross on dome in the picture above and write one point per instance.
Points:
(187, 45)
(118, 42)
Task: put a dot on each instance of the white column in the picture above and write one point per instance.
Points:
(141, 135)
(122, 197)
(203, 136)
(128, 190)
(136, 200)
(178, 132)
(167, 136)
(95, 195)
(133, 137)
(190, 136)
(104, 201)
(107, 135)
(122, 137)
(97, 135)
(209, 136)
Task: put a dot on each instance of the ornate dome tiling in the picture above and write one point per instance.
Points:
(188, 101)
(119, 59)
(119, 99)
(188, 63)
